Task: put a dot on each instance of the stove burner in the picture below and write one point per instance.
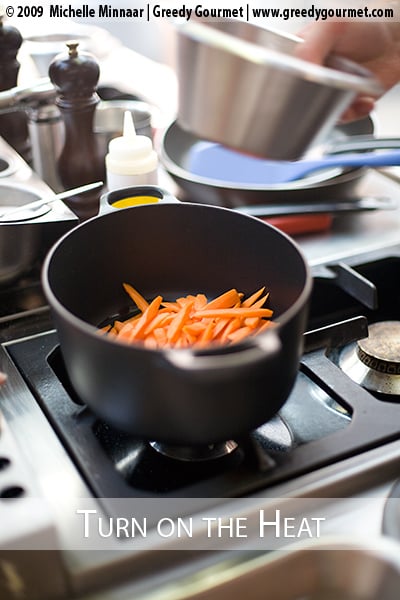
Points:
(374, 362)
(196, 453)
(381, 349)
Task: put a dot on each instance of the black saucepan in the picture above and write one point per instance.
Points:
(181, 397)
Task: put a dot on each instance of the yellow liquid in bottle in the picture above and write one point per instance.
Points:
(135, 200)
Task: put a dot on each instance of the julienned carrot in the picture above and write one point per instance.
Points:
(234, 312)
(229, 298)
(193, 320)
(138, 299)
(251, 299)
(175, 327)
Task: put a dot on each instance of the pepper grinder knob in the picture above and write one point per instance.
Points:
(13, 124)
(75, 76)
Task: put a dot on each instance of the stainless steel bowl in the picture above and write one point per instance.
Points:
(242, 86)
(23, 242)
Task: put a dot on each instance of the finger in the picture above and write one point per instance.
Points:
(359, 109)
(319, 41)
(3, 377)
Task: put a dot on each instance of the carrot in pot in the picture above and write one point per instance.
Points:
(138, 299)
(234, 312)
(225, 300)
(175, 327)
(193, 320)
(251, 299)
(148, 315)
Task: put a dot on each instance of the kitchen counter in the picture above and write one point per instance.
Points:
(353, 234)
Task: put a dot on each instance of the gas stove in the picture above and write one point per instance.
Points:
(104, 507)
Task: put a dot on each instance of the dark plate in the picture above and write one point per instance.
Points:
(179, 148)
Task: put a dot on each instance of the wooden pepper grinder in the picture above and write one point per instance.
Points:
(75, 77)
(13, 123)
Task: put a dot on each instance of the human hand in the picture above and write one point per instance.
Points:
(375, 46)
(3, 377)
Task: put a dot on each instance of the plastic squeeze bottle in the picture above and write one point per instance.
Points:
(131, 159)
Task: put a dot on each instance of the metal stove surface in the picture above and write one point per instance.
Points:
(332, 440)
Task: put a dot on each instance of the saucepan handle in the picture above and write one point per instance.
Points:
(260, 349)
(136, 195)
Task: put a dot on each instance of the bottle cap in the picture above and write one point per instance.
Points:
(131, 154)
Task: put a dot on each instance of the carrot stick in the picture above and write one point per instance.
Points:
(176, 325)
(125, 332)
(190, 339)
(192, 320)
(159, 320)
(226, 300)
(230, 328)
(234, 312)
(105, 329)
(148, 315)
(252, 322)
(138, 299)
(172, 306)
(207, 335)
(240, 334)
(194, 328)
(161, 336)
(220, 326)
(200, 301)
(150, 341)
(260, 303)
(185, 299)
(263, 327)
(251, 299)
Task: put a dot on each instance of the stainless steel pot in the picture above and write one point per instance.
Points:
(242, 86)
(24, 240)
(19, 242)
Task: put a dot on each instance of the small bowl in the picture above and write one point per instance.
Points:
(242, 86)
(43, 45)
